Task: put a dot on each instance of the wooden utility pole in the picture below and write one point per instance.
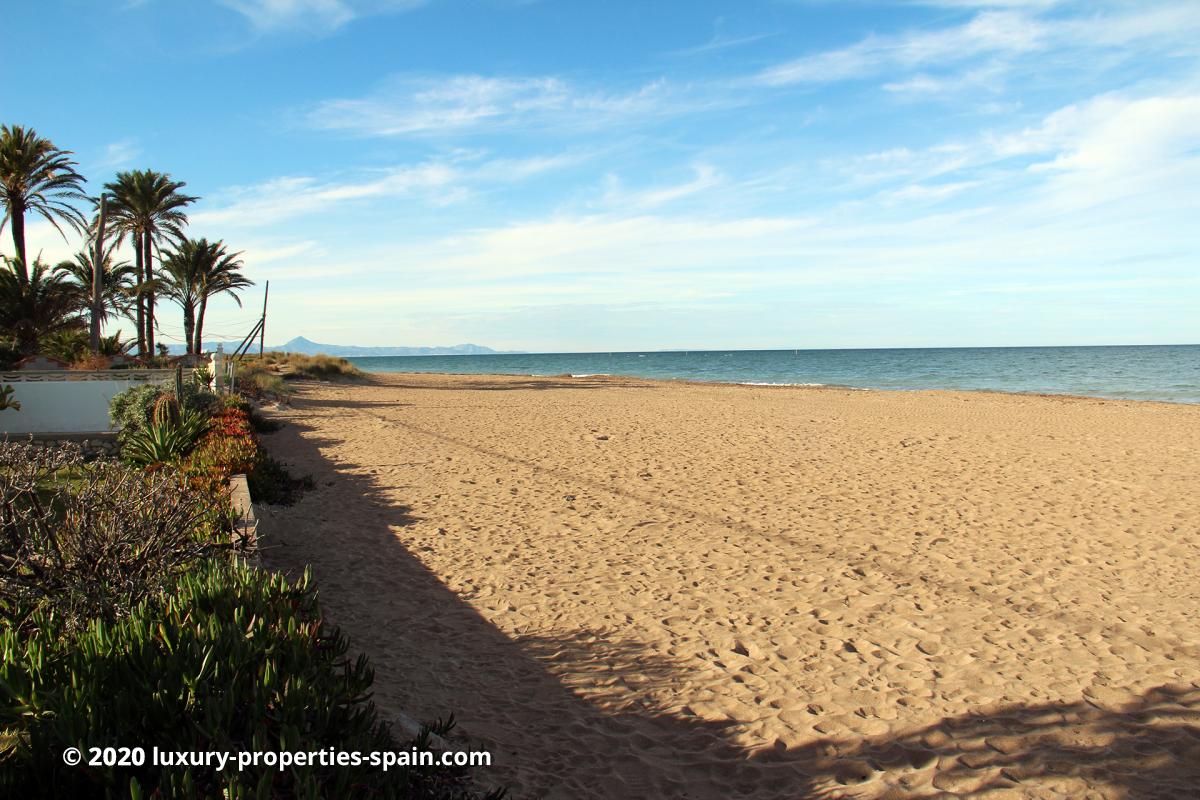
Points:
(262, 326)
(98, 277)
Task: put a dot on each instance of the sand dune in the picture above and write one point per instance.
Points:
(638, 589)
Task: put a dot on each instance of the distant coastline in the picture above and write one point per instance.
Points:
(310, 348)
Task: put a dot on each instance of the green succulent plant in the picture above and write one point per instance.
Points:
(171, 435)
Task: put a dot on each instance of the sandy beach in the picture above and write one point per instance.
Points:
(630, 589)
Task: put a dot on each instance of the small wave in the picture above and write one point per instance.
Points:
(589, 374)
(765, 383)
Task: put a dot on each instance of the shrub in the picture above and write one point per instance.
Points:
(299, 365)
(93, 540)
(230, 659)
(261, 424)
(132, 409)
(271, 483)
(230, 447)
(255, 381)
(202, 376)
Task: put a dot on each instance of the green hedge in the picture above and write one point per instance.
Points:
(231, 659)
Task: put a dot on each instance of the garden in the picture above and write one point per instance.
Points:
(131, 615)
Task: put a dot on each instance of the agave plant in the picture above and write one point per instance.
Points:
(172, 434)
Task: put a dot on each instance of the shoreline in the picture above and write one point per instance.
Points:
(369, 374)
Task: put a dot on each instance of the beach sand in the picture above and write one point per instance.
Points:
(628, 589)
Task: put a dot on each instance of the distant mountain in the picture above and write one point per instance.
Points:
(302, 345)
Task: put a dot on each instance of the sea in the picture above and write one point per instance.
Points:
(1168, 373)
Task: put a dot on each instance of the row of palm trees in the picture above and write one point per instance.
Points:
(145, 208)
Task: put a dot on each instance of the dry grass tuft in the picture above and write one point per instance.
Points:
(299, 365)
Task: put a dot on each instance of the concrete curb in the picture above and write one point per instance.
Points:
(245, 524)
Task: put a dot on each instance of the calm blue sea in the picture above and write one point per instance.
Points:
(1153, 372)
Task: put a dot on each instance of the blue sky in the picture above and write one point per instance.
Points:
(554, 175)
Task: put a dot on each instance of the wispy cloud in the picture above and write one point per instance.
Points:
(1115, 148)
(1003, 32)
(257, 255)
(988, 77)
(927, 193)
(721, 41)
(437, 182)
(991, 3)
(311, 15)
(988, 33)
(119, 154)
(617, 195)
(281, 198)
(465, 103)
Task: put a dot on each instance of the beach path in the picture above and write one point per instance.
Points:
(628, 589)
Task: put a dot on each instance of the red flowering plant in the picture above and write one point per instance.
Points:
(228, 448)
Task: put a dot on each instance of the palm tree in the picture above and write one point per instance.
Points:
(73, 345)
(196, 271)
(35, 304)
(146, 207)
(118, 283)
(36, 176)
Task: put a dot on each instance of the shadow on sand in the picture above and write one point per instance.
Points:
(592, 715)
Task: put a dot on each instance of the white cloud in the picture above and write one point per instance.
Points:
(1109, 148)
(927, 193)
(118, 154)
(413, 106)
(617, 196)
(281, 198)
(311, 15)
(988, 33)
(988, 77)
(607, 244)
(1002, 31)
(461, 103)
(271, 15)
(436, 182)
(991, 3)
(902, 163)
(43, 241)
(1115, 148)
(721, 42)
(258, 254)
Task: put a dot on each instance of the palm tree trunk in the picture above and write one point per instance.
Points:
(149, 262)
(199, 346)
(189, 326)
(18, 234)
(140, 269)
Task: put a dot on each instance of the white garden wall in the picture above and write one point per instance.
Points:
(69, 401)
